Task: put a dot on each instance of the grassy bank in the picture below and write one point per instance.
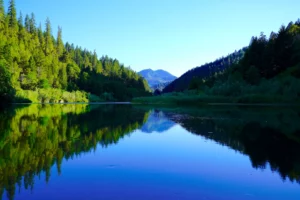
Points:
(185, 99)
(51, 96)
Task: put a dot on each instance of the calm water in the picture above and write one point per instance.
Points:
(127, 152)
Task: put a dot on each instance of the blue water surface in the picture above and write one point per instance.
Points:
(170, 164)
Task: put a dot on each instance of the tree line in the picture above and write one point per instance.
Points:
(268, 70)
(193, 76)
(33, 61)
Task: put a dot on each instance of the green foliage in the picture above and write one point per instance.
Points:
(6, 90)
(2, 14)
(204, 72)
(190, 98)
(196, 84)
(94, 98)
(12, 15)
(252, 75)
(50, 95)
(268, 71)
(284, 88)
(44, 83)
(36, 60)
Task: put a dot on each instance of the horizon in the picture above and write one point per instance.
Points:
(172, 36)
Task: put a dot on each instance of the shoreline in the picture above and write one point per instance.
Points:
(72, 103)
(171, 104)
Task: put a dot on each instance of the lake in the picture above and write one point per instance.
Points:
(81, 151)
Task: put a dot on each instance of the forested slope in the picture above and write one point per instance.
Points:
(36, 66)
(267, 66)
(270, 68)
(267, 71)
(218, 66)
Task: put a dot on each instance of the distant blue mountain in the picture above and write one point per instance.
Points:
(157, 77)
(157, 122)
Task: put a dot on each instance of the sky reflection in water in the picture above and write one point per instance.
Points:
(169, 163)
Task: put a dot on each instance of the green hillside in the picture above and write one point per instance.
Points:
(35, 66)
(203, 72)
(268, 72)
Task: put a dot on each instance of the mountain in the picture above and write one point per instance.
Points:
(156, 77)
(205, 71)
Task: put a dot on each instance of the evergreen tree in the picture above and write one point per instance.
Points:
(99, 68)
(35, 59)
(12, 15)
(32, 24)
(6, 89)
(41, 36)
(20, 21)
(31, 78)
(2, 14)
(63, 78)
(22, 35)
(27, 23)
(59, 42)
(95, 59)
(48, 38)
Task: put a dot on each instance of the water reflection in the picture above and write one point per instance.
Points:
(268, 136)
(157, 122)
(33, 139)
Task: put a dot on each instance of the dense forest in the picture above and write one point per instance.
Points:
(35, 66)
(268, 70)
(197, 74)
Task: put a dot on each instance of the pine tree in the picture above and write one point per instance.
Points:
(12, 15)
(5, 83)
(87, 63)
(2, 14)
(63, 78)
(32, 24)
(33, 58)
(115, 67)
(41, 36)
(95, 59)
(27, 23)
(20, 21)
(59, 42)
(48, 38)
(99, 68)
(31, 77)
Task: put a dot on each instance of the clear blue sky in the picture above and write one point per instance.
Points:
(175, 35)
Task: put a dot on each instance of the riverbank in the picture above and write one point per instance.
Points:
(183, 99)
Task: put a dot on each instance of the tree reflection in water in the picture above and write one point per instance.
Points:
(33, 139)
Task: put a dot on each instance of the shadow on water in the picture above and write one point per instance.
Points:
(33, 139)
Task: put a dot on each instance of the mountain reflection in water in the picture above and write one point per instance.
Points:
(36, 138)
